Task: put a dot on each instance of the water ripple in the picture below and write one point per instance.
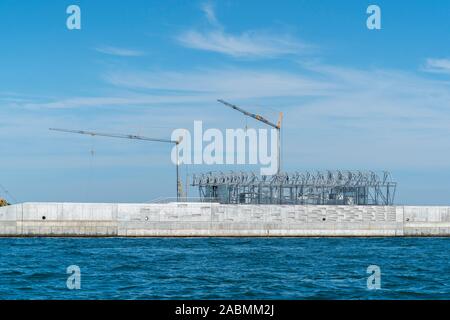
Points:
(225, 268)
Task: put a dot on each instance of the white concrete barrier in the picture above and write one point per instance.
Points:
(211, 219)
(427, 221)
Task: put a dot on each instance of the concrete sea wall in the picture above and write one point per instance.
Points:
(205, 219)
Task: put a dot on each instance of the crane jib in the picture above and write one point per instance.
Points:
(114, 135)
(132, 137)
(249, 114)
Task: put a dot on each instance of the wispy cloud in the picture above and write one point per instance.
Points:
(437, 65)
(248, 44)
(125, 101)
(210, 14)
(324, 91)
(122, 52)
(202, 86)
(230, 82)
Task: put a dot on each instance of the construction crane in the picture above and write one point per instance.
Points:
(133, 137)
(264, 120)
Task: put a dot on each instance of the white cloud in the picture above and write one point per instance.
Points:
(125, 100)
(191, 87)
(122, 52)
(248, 44)
(229, 82)
(437, 65)
(378, 91)
(208, 10)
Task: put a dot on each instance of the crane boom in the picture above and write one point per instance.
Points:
(133, 137)
(113, 135)
(249, 114)
(264, 120)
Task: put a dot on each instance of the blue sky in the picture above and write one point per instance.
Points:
(353, 98)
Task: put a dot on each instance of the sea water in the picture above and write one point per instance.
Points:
(224, 268)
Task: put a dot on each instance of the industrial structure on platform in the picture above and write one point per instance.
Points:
(314, 188)
(337, 187)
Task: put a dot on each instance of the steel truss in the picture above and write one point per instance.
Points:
(338, 187)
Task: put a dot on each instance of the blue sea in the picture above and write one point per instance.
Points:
(224, 268)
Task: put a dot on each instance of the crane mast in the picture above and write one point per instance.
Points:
(263, 120)
(133, 137)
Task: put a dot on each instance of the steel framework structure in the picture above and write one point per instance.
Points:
(328, 187)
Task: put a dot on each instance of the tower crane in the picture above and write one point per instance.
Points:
(133, 137)
(264, 120)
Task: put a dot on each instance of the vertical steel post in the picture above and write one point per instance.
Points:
(178, 179)
(279, 150)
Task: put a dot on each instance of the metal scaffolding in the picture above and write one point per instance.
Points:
(336, 187)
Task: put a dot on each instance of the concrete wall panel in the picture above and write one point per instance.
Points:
(204, 219)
